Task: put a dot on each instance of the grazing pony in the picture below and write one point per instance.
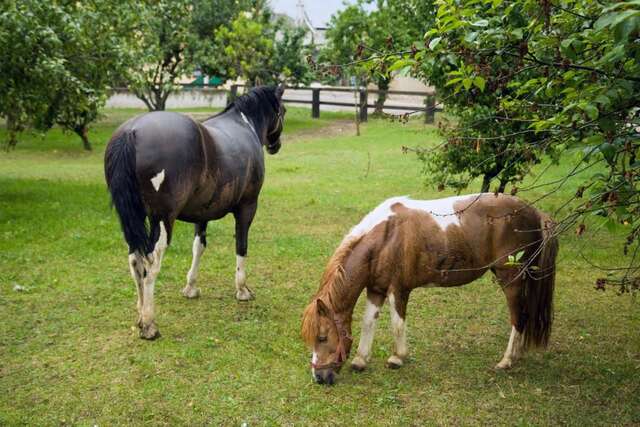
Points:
(404, 244)
(163, 166)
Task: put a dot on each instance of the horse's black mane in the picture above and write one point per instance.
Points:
(259, 104)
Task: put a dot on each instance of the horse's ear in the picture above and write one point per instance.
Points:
(280, 90)
(323, 310)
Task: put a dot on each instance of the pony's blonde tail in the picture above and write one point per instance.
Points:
(538, 289)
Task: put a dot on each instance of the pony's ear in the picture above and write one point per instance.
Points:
(280, 90)
(323, 310)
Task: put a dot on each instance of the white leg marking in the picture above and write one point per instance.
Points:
(314, 360)
(153, 265)
(513, 351)
(136, 266)
(158, 180)
(242, 292)
(363, 356)
(399, 329)
(191, 291)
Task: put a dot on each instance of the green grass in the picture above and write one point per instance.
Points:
(69, 353)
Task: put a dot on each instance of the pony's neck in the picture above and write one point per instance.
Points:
(345, 282)
(258, 119)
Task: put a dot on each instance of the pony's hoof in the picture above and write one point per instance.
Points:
(504, 364)
(394, 362)
(149, 332)
(358, 364)
(244, 295)
(190, 292)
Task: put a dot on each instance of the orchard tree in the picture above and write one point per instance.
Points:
(529, 78)
(59, 61)
(162, 44)
(290, 52)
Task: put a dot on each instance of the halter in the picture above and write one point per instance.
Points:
(341, 351)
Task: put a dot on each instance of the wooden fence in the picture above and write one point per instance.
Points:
(363, 104)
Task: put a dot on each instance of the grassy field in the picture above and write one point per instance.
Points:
(69, 354)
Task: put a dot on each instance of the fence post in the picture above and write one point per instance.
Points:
(315, 103)
(233, 94)
(364, 101)
(430, 110)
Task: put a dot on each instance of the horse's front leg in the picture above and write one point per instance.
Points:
(371, 313)
(199, 245)
(398, 307)
(244, 216)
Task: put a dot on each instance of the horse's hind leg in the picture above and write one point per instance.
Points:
(512, 288)
(371, 313)
(199, 245)
(136, 265)
(160, 230)
(398, 307)
(243, 216)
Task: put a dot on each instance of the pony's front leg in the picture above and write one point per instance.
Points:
(371, 313)
(199, 245)
(243, 216)
(148, 328)
(398, 308)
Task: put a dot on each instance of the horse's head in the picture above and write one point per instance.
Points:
(329, 338)
(275, 127)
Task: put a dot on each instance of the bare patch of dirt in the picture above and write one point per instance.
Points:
(333, 129)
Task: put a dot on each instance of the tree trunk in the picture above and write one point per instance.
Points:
(502, 186)
(13, 128)
(383, 86)
(82, 131)
(486, 182)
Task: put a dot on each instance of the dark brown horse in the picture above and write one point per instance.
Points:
(404, 244)
(164, 166)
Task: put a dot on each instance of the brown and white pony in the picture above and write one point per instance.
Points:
(404, 244)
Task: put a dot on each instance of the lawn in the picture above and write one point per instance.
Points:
(70, 354)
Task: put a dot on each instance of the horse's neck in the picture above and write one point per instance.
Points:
(354, 281)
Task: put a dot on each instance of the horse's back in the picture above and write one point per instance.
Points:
(169, 158)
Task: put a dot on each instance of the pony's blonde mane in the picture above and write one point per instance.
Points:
(332, 290)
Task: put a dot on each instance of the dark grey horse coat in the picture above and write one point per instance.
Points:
(164, 166)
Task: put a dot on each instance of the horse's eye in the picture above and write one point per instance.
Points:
(322, 339)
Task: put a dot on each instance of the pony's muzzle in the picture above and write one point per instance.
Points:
(325, 376)
(274, 148)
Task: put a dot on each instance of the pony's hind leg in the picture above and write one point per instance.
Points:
(371, 313)
(153, 261)
(512, 288)
(199, 245)
(398, 308)
(243, 216)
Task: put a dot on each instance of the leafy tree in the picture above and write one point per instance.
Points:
(289, 61)
(356, 32)
(161, 51)
(60, 60)
(527, 78)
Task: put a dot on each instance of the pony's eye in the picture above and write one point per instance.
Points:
(322, 339)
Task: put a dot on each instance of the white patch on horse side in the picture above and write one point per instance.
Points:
(246, 120)
(441, 210)
(158, 180)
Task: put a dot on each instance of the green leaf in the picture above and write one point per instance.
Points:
(434, 43)
(591, 110)
(467, 83)
(479, 82)
(481, 23)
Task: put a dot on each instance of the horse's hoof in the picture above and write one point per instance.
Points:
(190, 292)
(503, 365)
(358, 364)
(394, 362)
(244, 295)
(139, 322)
(149, 332)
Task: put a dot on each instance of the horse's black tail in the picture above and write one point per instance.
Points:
(122, 180)
(538, 289)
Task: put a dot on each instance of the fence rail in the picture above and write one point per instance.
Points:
(362, 102)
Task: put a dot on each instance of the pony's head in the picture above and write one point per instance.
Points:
(277, 124)
(328, 337)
